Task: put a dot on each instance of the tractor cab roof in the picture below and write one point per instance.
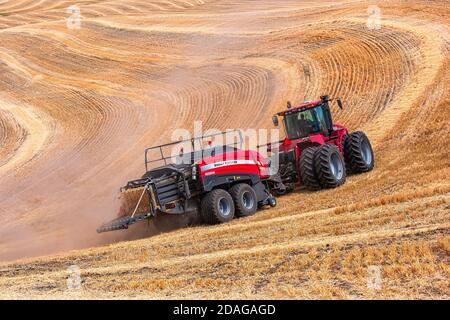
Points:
(302, 107)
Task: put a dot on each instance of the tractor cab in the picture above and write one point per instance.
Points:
(310, 118)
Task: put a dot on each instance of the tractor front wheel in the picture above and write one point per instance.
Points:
(217, 207)
(358, 152)
(330, 166)
(245, 200)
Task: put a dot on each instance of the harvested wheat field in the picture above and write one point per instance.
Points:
(79, 106)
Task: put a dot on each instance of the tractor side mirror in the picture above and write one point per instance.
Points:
(340, 104)
(275, 121)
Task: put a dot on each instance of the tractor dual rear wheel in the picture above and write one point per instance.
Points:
(307, 169)
(358, 152)
(217, 207)
(330, 166)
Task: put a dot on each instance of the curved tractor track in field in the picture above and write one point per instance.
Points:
(78, 107)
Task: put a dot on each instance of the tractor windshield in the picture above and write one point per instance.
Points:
(303, 123)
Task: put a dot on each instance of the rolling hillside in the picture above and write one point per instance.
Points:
(79, 106)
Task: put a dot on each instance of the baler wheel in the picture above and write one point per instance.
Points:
(358, 152)
(330, 166)
(245, 200)
(217, 207)
(308, 170)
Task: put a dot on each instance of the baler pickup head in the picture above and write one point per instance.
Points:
(122, 223)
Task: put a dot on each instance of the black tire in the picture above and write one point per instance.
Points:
(217, 207)
(358, 152)
(273, 202)
(245, 200)
(345, 144)
(330, 166)
(308, 170)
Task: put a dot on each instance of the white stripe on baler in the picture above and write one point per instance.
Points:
(226, 163)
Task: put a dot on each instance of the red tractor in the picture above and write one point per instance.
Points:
(223, 182)
(317, 152)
